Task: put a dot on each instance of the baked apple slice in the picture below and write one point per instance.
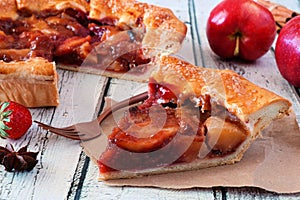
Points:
(193, 118)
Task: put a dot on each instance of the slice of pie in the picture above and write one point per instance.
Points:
(193, 118)
(32, 82)
(107, 37)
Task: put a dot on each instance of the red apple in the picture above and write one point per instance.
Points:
(240, 28)
(287, 51)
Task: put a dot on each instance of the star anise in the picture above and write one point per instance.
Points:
(20, 160)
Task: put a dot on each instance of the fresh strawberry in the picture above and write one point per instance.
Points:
(15, 120)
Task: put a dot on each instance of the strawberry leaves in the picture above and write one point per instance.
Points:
(3, 129)
(4, 117)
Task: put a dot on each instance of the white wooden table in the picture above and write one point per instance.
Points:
(65, 172)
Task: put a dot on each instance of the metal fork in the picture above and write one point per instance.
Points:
(86, 130)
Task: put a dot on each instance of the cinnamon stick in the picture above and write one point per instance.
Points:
(280, 13)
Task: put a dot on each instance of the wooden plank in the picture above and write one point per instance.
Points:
(256, 194)
(93, 189)
(58, 157)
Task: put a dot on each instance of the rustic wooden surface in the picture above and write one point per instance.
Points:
(64, 171)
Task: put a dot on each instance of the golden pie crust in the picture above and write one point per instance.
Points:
(32, 82)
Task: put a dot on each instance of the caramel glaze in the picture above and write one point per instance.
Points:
(66, 37)
(186, 130)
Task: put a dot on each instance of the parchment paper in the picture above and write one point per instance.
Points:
(272, 163)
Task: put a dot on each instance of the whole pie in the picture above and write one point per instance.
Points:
(107, 37)
(193, 118)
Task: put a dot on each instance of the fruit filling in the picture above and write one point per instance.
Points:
(166, 130)
(67, 37)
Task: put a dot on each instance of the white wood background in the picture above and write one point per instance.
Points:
(64, 171)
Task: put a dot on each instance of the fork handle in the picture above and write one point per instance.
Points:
(132, 100)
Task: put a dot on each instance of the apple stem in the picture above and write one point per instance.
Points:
(237, 46)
